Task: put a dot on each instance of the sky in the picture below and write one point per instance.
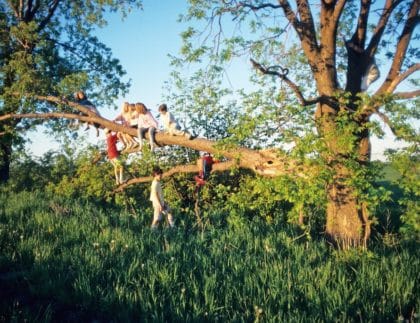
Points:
(142, 42)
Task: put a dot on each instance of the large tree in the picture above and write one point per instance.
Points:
(310, 118)
(315, 60)
(48, 47)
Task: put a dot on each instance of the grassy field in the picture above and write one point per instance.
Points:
(74, 261)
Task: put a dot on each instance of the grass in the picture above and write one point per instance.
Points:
(74, 261)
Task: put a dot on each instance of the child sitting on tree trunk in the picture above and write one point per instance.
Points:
(82, 99)
(171, 125)
(114, 156)
(146, 123)
(124, 118)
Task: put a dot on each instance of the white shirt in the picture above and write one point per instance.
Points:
(169, 120)
(156, 193)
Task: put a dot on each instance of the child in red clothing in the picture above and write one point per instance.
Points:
(205, 166)
(113, 156)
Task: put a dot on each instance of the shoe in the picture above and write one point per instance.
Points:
(199, 181)
(192, 136)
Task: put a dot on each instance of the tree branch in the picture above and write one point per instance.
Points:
(47, 19)
(386, 120)
(389, 7)
(284, 77)
(304, 29)
(402, 76)
(359, 37)
(401, 48)
(268, 163)
(338, 10)
(175, 170)
(307, 21)
(407, 95)
(14, 9)
(258, 7)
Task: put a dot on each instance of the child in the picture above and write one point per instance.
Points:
(159, 205)
(133, 116)
(170, 124)
(205, 166)
(146, 123)
(113, 156)
(81, 98)
(124, 118)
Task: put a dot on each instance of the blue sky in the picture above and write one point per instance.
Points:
(142, 42)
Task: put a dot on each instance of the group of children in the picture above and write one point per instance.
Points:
(136, 115)
(139, 117)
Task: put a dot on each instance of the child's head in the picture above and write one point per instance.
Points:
(126, 107)
(141, 108)
(80, 95)
(157, 172)
(163, 108)
(107, 131)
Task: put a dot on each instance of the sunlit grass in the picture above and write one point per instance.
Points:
(73, 261)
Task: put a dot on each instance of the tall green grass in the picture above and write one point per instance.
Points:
(74, 261)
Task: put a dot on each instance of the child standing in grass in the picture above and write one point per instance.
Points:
(159, 205)
(113, 155)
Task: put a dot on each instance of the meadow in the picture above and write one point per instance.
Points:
(73, 260)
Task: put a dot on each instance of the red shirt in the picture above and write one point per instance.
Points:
(111, 141)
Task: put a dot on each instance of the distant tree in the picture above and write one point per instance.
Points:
(47, 47)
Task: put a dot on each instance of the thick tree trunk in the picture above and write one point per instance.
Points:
(347, 222)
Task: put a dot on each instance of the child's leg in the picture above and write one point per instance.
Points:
(121, 174)
(157, 216)
(175, 131)
(170, 218)
(121, 138)
(140, 135)
(117, 180)
(152, 141)
(168, 212)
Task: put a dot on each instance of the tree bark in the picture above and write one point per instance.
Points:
(347, 221)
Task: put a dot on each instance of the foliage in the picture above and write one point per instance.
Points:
(47, 48)
(74, 261)
(406, 162)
